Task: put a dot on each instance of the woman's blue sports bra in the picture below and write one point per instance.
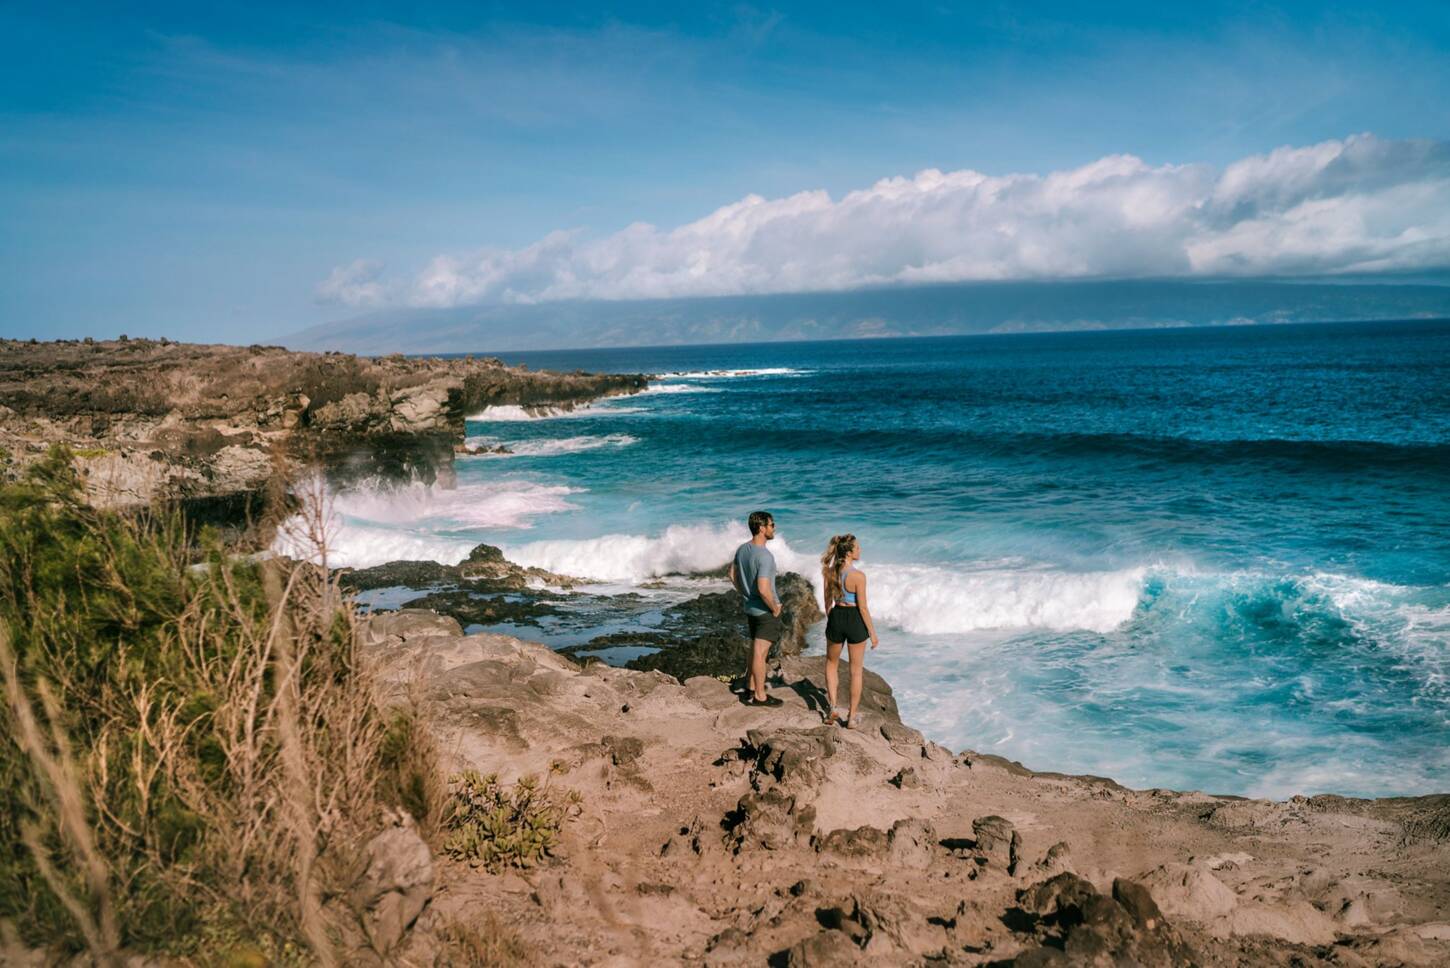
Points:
(847, 598)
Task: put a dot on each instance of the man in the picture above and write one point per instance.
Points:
(753, 575)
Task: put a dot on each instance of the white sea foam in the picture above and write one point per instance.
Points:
(370, 526)
(655, 388)
(924, 600)
(929, 600)
(633, 557)
(512, 413)
(729, 374)
(552, 447)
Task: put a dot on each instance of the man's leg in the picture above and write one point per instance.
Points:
(758, 650)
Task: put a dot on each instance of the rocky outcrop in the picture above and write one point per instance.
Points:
(152, 420)
(395, 885)
(706, 636)
(720, 834)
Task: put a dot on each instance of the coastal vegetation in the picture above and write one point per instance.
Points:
(194, 757)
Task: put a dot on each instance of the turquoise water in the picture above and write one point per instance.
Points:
(1209, 558)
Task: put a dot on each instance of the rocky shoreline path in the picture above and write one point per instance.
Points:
(713, 833)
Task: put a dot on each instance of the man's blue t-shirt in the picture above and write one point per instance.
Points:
(752, 562)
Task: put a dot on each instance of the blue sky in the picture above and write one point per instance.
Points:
(204, 173)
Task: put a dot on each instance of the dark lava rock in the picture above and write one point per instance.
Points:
(1078, 926)
(484, 570)
(706, 636)
(473, 609)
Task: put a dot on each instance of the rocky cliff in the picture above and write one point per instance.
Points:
(202, 424)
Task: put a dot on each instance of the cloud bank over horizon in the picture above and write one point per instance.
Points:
(1360, 205)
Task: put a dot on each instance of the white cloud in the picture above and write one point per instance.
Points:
(1359, 205)
(358, 284)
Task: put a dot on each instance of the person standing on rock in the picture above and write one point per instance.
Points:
(848, 621)
(753, 575)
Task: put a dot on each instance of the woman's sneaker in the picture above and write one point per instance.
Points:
(767, 701)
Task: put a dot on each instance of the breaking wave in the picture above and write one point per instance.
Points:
(921, 599)
(554, 447)
(655, 388)
(373, 525)
(729, 374)
(513, 413)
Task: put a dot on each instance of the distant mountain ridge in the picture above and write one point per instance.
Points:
(915, 311)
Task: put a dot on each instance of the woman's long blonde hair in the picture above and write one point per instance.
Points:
(833, 561)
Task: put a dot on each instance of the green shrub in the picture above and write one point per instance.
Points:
(496, 827)
(190, 751)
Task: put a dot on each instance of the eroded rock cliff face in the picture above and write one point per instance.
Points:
(154, 420)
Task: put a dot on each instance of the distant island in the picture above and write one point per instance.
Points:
(943, 310)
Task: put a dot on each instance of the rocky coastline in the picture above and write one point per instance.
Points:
(712, 833)
(205, 425)
(708, 832)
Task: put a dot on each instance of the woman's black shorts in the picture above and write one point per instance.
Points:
(845, 624)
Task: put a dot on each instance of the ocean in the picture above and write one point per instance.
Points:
(1213, 559)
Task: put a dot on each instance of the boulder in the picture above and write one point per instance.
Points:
(886, 926)
(1056, 860)
(771, 820)
(828, 949)
(912, 843)
(799, 611)
(792, 756)
(1079, 926)
(998, 842)
(396, 883)
(858, 843)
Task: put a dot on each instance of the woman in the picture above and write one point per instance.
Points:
(848, 621)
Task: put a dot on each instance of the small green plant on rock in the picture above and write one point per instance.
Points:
(494, 826)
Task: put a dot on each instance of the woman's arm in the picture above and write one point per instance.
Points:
(866, 612)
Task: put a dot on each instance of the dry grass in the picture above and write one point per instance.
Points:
(185, 744)
(482, 942)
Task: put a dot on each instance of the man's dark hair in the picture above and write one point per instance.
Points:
(758, 520)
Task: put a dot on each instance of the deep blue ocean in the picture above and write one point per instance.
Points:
(1210, 559)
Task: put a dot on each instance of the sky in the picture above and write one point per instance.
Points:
(233, 173)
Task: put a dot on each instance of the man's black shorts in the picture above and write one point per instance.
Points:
(766, 627)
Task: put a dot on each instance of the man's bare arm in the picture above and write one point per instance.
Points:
(768, 594)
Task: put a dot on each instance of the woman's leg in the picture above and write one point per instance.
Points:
(833, 677)
(858, 677)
